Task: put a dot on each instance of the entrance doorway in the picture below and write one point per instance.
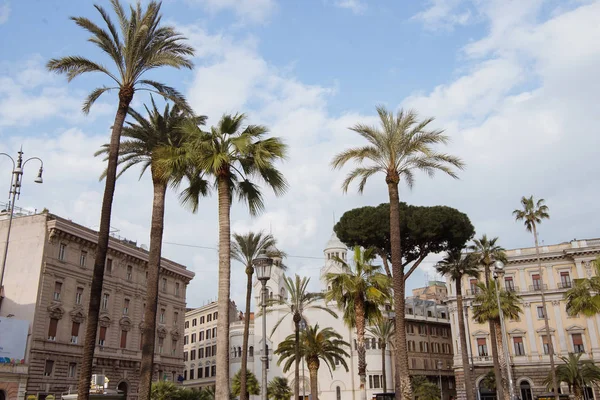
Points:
(123, 387)
(485, 393)
(525, 388)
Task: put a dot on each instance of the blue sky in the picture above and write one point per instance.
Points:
(513, 83)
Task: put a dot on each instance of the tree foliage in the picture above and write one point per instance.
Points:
(576, 373)
(423, 389)
(279, 389)
(252, 386)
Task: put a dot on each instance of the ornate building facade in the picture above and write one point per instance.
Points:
(47, 282)
(527, 340)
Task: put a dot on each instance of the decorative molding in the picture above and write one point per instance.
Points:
(556, 303)
(480, 333)
(575, 329)
(175, 335)
(526, 304)
(542, 331)
(77, 315)
(104, 321)
(125, 323)
(161, 332)
(56, 311)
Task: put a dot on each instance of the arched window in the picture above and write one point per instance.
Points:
(270, 295)
(239, 351)
(251, 351)
(525, 391)
(338, 393)
(282, 293)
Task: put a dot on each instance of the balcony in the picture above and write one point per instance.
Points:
(565, 285)
(538, 287)
(473, 291)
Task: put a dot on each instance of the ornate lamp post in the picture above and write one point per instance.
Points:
(262, 266)
(13, 195)
(440, 365)
(498, 273)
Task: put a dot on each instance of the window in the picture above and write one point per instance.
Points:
(185, 340)
(215, 315)
(72, 370)
(164, 284)
(540, 312)
(206, 372)
(161, 343)
(537, 281)
(367, 344)
(75, 332)
(473, 285)
(214, 332)
(185, 375)
(62, 249)
(175, 317)
(193, 338)
(200, 370)
(338, 393)
(201, 320)
(213, 370)
(208, 351)
(109, 266)
(422, 330)
(509, 284)
(482, 347)
(129, 274)
(57, 289)
(102, 336)
(79, 295)
(565, 280)
(52, 329)
(410, 328)
(146, 277)
(425, 364)
(413, 363)
(125, 306)
(209, 318)
(177, 289)
(194, 322)
(374, 381)
(191, 374)
(48, 368)
(251, 351)
(207, 334)
(201, 353)
(545, 344)
(105, 301)
(519, 348)
(374, 343)
(214, 352)
(187, 324)
(162, 316)
(577, 343)
(201, 336)
(82, 258)
(185, 356)
(192, 355)
(123, 339)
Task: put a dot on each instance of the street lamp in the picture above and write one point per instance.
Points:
(262, 265)
(440, 365)
(13, 194)
(498, 272)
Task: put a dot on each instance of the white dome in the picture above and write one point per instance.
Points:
(335, 243)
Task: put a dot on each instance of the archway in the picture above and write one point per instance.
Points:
(485, 393)
(525, 389)
(123, 387)
(2, 395)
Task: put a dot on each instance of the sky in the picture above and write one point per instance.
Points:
(513, 83)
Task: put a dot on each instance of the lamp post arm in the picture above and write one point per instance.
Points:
(33, 158)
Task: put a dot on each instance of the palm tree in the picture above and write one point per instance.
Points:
(576, 374)
(584, 296)
(252, 385)
(279, 389)
(532, 215)
(141, 45)
(425, 389)
(383, 330)
(245, 248)
(315, 345)
(456, 266)
(359, 290)
(486, 310)
(298, 301)
(146, 142)
(163, 390)
(402, 145)
(234, 157)
(485, 252)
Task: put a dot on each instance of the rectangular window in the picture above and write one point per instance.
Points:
(208, 351)
(577, 343)
(473, 286)
(79, 295)
(214, 352)
(194, 322)
(200, 370)
(540, 312)
(174, 347)
(146, 277)
(125, 306)
(192, 355)
(57, 290)
(162, 316)
(201, 320)
(213, 370)
(215, 315)
(109, 266)
(201, 336)
(72, 370)
(62, 250)
(161, 343)
(175, 317)
(52, 329)
(102, 336)
(82, 258)
(413, 362)
(105, 301)
(48, 368)
(123, 339)
(185, 375)
(482, 347)
(519, 347)
(214, 332)
(206, 372)
(537, 281)
(565, 280)
(410, 328)
(425, 364)
(185, 356)
(193, 338)
(191, 374)
(187, 324)
(129, 275)
(209, 318)
(177, 289)
(185, 340)
(164, 284)
(75, 332)
(545, 344)
(422, 330)
(201, 353)
(509, 284)
(207, 334)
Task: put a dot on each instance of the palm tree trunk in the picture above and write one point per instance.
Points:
(463, 342)
(148, 341)
(89, 345)
(313, 370)
(359, 310)
(495, 359)
(243, 378)
(383, 371)
(546, 322)
(222, 378)
(402, 385)
(502, 361)
(297, 319)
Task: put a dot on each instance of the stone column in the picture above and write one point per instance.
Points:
(530, 330)
(560, 331)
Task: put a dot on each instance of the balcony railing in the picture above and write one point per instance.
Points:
(565, 285)
(537, 287)
(473, 292)
(513, 289)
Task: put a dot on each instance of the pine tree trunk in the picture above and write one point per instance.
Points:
(495, 359)
(383, 369)
(402, 385)
(243, 378)
(313, 369)
(359, 311)
(463, 343)
(148, 339)
(89, 344)
(297, 318)
(222, 378)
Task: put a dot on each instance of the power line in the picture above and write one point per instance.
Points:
(215, 249)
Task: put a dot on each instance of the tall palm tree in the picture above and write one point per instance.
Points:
(402, 145)
(455, 266)
(279, 389)
(298, 301)
(253, 387)
(141, 45)
(486, 310)
(146, 142)
(576, 374)
(584, 296)
(485, 252)
(234, 157)
(383, 330)
(360, 290)
(245, 248)
(315, 345)
(532, 215)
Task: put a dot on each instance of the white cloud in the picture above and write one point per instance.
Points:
(4, 11)
(445, 14)
(247, 11)
(356, 6)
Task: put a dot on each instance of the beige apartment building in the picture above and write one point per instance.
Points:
(47, 283)
(527, 340)
(435, 290)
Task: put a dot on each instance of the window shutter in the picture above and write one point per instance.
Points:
(577, 339)
(123, 339)
(518, 339)
(75, 329)
(52, 327)
(102, 333)
(480, 341)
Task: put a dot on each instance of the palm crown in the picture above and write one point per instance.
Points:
(138, 45)
(486, 304)
(486, 251)
(383, 330)
(584, 296)
(575, 373)
(246, 247)
(456, 265)
(532, 212)
(401, 145)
